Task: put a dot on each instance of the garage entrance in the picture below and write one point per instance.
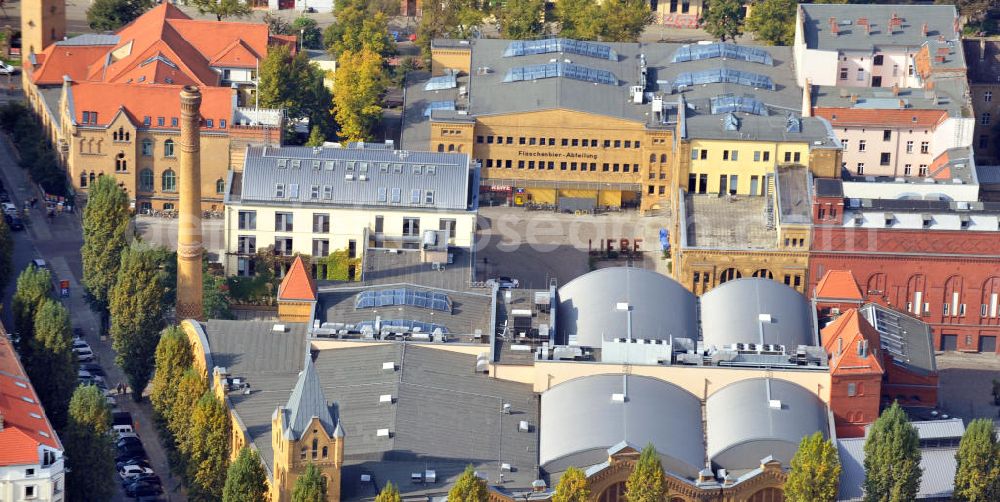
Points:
(949, 342)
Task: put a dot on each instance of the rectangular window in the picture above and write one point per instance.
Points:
(428, 196)
(852, 389)
(628, 144)
(725, 155)
(314, 192)
(279, 190)
(173, 121)
(283, 246)
(694, 154)
(908, 170)
(396, 196)
(843, 74)
(909, 147)
(984, 119)
(209, 124)
(607, 143)
(861, 145)
(756, 156)
(147, 148)
(923, 170)
(788, 156)
(796, 157)
(887, 135)
(565, 142)
(282, 222)
(861, 168)
(29, 492)
(988, 96)
(321, 247)
(321, 222)
(448, 225)
(884, 159)
(222, 123)
(160, 121)
(925, 147)
(246, 244)
(411, 227)
(704, 154)
(861, 74)
(247, 220)
(767, 156)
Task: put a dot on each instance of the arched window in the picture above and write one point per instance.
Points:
(169, 206)
(440, 147)
(652, 157)
(92, 177)
(302, 454)
(767, 495)
(83, 179)
(613, 493)
(120, 163)
(315, 448)
(729, 274)
(663, 157)
(169, 181)
(765, 273)
(220, 185)
(325, 452)
(168, 148)
(146, 180)
(451, 147)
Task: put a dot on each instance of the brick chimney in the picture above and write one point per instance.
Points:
(189, 237)
(807, 99)
(834, 28)
(854, 98)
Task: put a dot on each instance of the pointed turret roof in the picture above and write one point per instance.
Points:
(297, 284)
(307, 402)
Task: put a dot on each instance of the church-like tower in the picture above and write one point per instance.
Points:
(189, 244)
(43, 23)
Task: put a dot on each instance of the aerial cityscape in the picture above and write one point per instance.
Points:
(513, 251)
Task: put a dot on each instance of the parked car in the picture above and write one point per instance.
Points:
(93, 368)
(152, 479)
(112, 402)
(123, 429)
(130, 454)
(504, 282)
(14, 223)
(128, 442)
(121, 418)
(80, 344)
(84, 355)
(39, 263)
(132, 471)
(132, 461)
(143, 490)
(6, 69)
(9, 208)
(91, 379)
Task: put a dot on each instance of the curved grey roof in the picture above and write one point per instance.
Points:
(580, 422)
(743, 428)
(661, 307)
(730, 314)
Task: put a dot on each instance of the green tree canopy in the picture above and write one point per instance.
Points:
(34, 286)
(724, 19)
(52, 367)
(977, 476)
(246, 480)
(573, 487)
(105, 234)
(316, 137)
(469, 488)
(208, 448)
(357, 29)
(647, 483)
(308, 32)
(578, 19)
(613, 21)
(357, 94)
(137, 314)
(293, 84)
(173, 358)
(89, 453)
(389, 493)
(190, 388)
(109, 15)
(310, 486)
(773, 21)
(815, 471)
(452, 19)
(521, 19)
(223, 8)
(892, 458)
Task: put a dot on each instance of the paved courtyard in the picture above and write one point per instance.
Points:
(966, 384)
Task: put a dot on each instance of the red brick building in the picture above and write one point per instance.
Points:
(937, 260)
(855, 373)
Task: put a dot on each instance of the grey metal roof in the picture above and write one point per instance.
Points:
(730, 314)
(948, 98)
(794, 195)
(660, 306)
(988, 175)
(940, 20)
(829, 187)
(744, 427)
(306, 403)
(470, 310)
(91, 39)
(580, 421)
(392, 177)
(815, 130)
(937, 481)
(908, 340)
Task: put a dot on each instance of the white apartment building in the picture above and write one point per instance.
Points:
(869, 46)
(31, 455)
(315, 201)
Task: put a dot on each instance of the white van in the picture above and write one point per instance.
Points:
(123, 429)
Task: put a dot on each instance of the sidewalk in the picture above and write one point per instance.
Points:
(58, 242)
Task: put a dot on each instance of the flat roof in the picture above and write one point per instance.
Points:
(948, 99)
(794, 196)
(395, 266)
(941, 20)
(907, 340)
(724, 222)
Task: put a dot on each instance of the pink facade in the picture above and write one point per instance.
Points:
(878, 151)
(878, 69)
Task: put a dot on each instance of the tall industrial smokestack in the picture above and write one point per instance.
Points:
(189, 244)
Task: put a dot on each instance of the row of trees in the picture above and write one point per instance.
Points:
(35, 149)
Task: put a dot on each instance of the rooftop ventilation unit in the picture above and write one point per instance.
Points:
(506, 467)
(348, 177)
(385, 399)
(430, 476)
(382, 433)
(506, 408)
(524, 426)
(774, 404)
(366, 478)
(618, 398)
(389, 366)
(278, 328)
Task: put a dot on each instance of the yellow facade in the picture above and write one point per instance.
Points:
(292, 456)
(43, 22)
(565, 153)
(451, 58)
(700, 270)
(749, 162)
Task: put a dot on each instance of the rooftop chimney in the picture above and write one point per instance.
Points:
(982, 50)
(833, 26)
(895, 89)
(854, 98)
(923, 29)
(189, 238)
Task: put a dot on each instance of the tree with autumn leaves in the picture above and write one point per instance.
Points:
(357, 94)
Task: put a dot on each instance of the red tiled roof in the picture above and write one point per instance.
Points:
(139, 101)
(878, 118)
(59, 60)
(841, 338)
(237, 54)
(25, 426)
(838, 284)
(298, 284)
